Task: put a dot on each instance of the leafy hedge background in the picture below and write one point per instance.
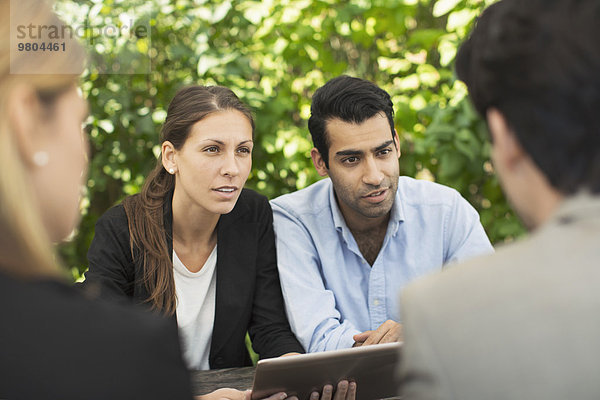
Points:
(274, 55)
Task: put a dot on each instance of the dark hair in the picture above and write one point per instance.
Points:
(145, 211)
(350, 100)
(538, 63)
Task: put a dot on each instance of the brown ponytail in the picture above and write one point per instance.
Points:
(145, 211)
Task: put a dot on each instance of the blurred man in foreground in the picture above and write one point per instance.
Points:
(523, 324)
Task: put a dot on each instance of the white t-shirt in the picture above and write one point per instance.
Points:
(195, 309)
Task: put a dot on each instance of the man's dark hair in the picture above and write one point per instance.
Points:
(538, 63)
(347, 99)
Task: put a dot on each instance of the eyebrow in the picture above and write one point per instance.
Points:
(351, 152)
(383, 146)
(223, 143)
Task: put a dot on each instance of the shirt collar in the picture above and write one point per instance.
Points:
(338, 218)
(575, 207)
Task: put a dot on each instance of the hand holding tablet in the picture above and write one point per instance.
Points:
(367, 372)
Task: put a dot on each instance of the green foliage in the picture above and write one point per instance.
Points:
(274, 55)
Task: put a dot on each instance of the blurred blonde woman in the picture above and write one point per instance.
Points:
(55, 343)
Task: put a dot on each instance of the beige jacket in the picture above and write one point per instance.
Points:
(521, 324)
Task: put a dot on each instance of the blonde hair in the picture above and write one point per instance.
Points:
(25, 247)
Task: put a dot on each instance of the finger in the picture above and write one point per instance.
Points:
(401, 333)
(393, 335)
(342, 389)
(351, 395)
(376, 336)
(327, 392)
(314, 396)
(277, 396)
(361, 337)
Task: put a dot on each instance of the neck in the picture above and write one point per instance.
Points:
(193, 226)
(369, 236)
(546, 204)
(366, 225)
(532, 196)
(369, 232)
(360, 223)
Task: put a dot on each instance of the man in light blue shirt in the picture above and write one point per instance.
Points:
(347, 245)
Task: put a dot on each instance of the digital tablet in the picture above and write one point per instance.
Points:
(371, 367)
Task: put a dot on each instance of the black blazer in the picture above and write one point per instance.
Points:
(56, 343)
(248, 292)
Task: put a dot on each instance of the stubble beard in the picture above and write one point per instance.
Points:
(355, 201)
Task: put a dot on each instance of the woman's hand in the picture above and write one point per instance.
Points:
(226, 394)
(233, 394)
(345, 391)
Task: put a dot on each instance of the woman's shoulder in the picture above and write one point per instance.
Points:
(116, 215)
(252, 199)
(250, 195)
(60, 308)
(250, 206)
(79, 312)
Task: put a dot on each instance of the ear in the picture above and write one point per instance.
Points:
(397, 143)
(506, 148)
(318, 162)
(23, 114)
(168, 156)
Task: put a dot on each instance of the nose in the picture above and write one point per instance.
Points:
(230, 166)
(372, 174)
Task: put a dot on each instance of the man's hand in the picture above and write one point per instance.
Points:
(388, 332)
(345, 391)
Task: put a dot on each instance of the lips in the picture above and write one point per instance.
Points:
(376, 196)
(226, 192)
(226, 189)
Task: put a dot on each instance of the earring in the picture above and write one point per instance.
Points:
(41, 158)
(171, 171)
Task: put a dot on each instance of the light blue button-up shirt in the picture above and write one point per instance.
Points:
(331, 292)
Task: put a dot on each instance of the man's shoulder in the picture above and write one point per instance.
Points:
(307, 202)
(417, 192)
(471, 279)
(494, 309)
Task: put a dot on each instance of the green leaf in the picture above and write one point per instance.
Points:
(443, 7)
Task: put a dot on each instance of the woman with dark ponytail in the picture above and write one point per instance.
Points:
(194, 245)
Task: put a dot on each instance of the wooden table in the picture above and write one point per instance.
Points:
(237, 378)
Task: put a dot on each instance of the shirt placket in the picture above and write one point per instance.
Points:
(377, 300)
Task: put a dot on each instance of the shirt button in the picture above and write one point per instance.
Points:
(376, 302)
